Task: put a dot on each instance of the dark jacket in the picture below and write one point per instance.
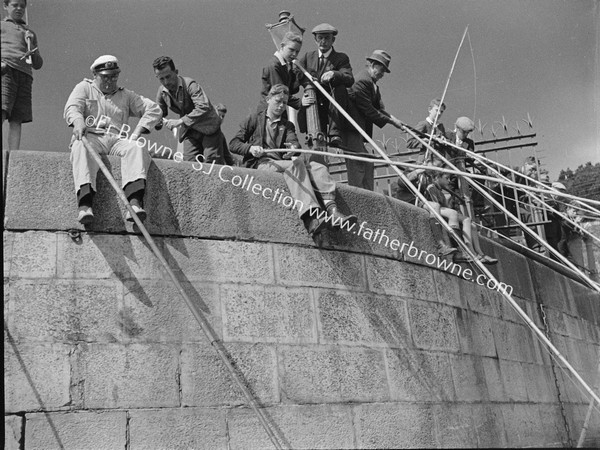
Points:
(367, 107)
(252, 132)
(274, 73)
(425, 127)
(197, 112)
(342, 79)
(455, 155)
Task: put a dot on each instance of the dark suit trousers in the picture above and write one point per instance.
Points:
(360, 174)
(209, 146)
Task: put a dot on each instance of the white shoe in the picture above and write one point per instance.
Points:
(86, 215)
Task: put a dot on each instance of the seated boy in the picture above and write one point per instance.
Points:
(309, 183)
(437, 199)
(17, 62)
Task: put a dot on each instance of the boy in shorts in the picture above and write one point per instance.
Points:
(17, 61)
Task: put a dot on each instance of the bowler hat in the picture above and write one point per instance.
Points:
(325, 28)
(465, 124)
(105, 65)
(382, 57)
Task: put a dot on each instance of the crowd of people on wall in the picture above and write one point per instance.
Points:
(98, 110)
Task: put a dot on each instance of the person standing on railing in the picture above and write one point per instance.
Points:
(281, 70)
(460, 137)
(436, 109)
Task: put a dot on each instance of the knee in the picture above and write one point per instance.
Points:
(314, 166)
(76, 148)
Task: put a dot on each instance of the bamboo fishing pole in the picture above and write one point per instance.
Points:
(441, 220)
(437, 114)
(204, 325)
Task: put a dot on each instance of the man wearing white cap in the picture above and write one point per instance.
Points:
(367, 109)
(334, 72)
(100, 110)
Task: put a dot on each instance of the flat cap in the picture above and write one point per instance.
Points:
(465, 124)
(325, 28)
(105, 64)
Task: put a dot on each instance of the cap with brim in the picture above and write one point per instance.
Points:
(106, 65)
(465, 124)
(324, 28)
(382, 57)
(558, 185)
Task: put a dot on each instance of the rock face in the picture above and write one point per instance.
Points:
(346, 343)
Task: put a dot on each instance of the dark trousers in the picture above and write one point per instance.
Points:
(360, 174)
(205, 147)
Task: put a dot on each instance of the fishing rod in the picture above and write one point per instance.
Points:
(438, 112)
(544, 190)
(483, 161)
(463, 246)
(204, 324)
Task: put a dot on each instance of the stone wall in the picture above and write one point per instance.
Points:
(345, 342)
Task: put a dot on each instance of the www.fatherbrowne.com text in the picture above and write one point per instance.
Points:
(280, 196)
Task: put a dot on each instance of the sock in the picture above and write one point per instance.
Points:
(135, 192)
(436, 230)
(85, 195)
(453, 241)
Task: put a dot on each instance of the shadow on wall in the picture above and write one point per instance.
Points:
(34, 389)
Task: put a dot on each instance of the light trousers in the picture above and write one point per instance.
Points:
(134, 165)
(304, 180)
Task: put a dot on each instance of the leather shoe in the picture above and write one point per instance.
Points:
(314, 225)
(141, 213)
(488, 260)
(460, 257)
(86, 215)
(445, 250)
(337, 219)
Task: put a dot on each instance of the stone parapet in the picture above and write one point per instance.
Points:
(343, 343)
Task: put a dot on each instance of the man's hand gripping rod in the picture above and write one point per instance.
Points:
(441, 220)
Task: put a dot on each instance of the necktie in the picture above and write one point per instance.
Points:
(321, 64)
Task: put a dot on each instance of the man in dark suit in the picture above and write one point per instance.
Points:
(199, 124)
(280, 70)
(333, 71)
(310, 185)
(367, 110)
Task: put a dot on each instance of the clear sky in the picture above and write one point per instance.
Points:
(536, 56)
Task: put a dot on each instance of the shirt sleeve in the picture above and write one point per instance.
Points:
(364, 103)
(240, 144)
(202, 106)
(342, 75)
(160, 101)
(75, 106)
(412, 141)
